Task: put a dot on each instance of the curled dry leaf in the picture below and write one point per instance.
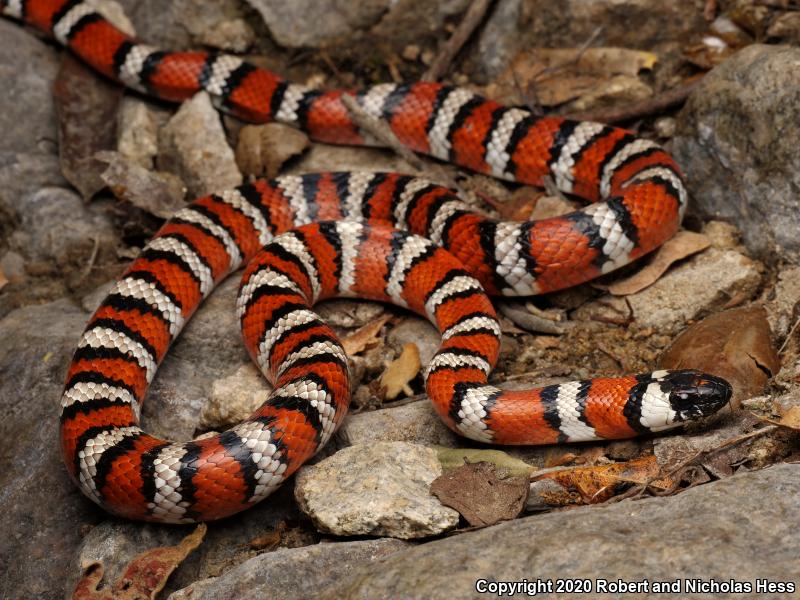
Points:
(479, 495)
(453, 458)
(87, 123)
(683, 244)
(364, 337)
(145, 576)
(262, 149)
(3, 279)
(399, 373)
(591, 485)
(735, 344)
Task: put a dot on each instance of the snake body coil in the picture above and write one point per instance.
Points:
(382, 236)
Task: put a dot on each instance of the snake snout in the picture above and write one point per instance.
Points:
(694, 394)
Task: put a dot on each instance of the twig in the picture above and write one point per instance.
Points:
(380, 130)
(92, 258)
(472, 18)
(384, 136)
(789, 336)
(638, 490)
(639, 109)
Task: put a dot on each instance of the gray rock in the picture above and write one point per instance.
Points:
(234, 398)
(290, 572)
(375, 489)
(496, 47)
(415, 422)
(290, 25)
(43, 512)
(418, 331)
(782, 303)
(703, 283)
(193, 146)
(137, 132)
(56, 225)
(736, 143)
(730, 529)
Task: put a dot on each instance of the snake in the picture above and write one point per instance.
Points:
(388, 237)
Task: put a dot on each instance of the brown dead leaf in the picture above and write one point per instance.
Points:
(262, 149)
(483, 499)
(399, 373)
(145, 576)
(681, 245)
(600, 482)
(558, 75)
(735, 344)
(789, 420)
(3, 279)
(364, 337)
(87, 123)
(269, 540)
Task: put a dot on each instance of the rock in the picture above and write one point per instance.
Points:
(326, 157)
(137, 132)
(418, 331)
(736, 144)
(496, 47)
(703, 283)
(12, 266)
(262, 149)
(396, 22)
(55, 225)
(234, 35)
(375, 489)
(782, 305)
(290, 25)
(234, 398)
(193, 146)
(655, 539)
(156, 192)
(43, 512)
(290, 572)
(415, 422)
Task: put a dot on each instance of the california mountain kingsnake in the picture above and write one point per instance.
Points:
(358, 236)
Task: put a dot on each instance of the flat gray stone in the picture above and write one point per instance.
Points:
(736, 528)
(290, 573)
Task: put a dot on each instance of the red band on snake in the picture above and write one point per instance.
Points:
(381, 236)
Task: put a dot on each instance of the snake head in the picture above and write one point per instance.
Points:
(693, 394)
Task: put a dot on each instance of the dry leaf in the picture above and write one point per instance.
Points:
(735, 345)
(3, 279)
(364, 337)
(558, 75)
(790, 419)
(591, 485)
(262, 149)
(476, 492)
(681, 245)
(87, 123)
(399, 373)
(145, 576)
(453, 458)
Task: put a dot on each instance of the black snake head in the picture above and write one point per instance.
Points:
(693, 394)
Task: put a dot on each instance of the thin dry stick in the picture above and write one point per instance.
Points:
(384, 136)
(639, 109)
(472, 18)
